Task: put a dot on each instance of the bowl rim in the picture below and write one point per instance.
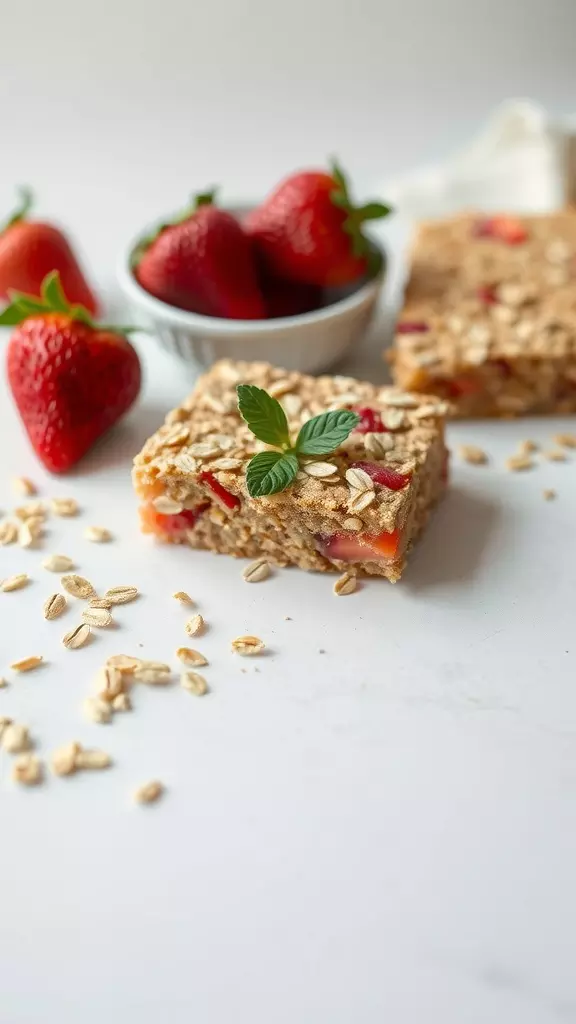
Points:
(163, 311)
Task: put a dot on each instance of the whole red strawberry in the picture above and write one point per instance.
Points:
(309, 230)
(70, 379)
(30, 249)
(202, 262)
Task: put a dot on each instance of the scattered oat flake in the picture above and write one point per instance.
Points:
(153, 674)
(194, 626)
(110, 682)
(566, 440)
(14, 582)
(27, 770)
(15, 738)
(548, 494)
(92, 759)
(4, 723)
(23, 486)
(54, 606)
(58, 563)
(96, 710)
(79, 587)
(97, 534)
(26, 535)
(122, 703)
(194, 683)
(247, 645)
(149, 793)
(27, 664)
(517, 463)
(99, 617)
(121, 595)
(345, 584)
(76, 637)
(8, 533)
(554, 455)
(32, 510)
(527, 447)
(256, 571)
(63, 760)
(64, 506)
(188, 656)
(470, 453)
(183, 597)
(3, 683)
(123, 662)
(99, 602)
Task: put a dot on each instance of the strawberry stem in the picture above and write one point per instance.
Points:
(22, 210)
(356, 216)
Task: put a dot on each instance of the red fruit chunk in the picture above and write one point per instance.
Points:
(412, 327)
(370, 422)
(173, 524)
(464, 384)
(383, 475)
(505, 229)
(364, 547)
(487, 294)
(228, 499)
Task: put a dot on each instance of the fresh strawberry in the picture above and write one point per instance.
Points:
(29, 250)
(70, 379)
(203, 262)
(309, 231)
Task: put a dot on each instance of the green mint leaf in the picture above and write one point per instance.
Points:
(263, 414)
(270, 472)
(326, 432)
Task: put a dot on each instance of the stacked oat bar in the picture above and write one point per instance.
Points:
(489, 318)
(362, 506)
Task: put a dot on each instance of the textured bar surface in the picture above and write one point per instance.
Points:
(190, 475)
(489, 318)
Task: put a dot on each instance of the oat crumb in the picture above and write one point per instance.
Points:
(27, 664)
(345, 584)
(97, 534)
(472, 454)
(24, 487)
(527, 447)
(149, 793)
(548, 494)
(27, 770)
(565, 440)
(183, 597)
(517, 463)
(248, 646)
(554, 455)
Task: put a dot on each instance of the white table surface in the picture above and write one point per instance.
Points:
(374, 822)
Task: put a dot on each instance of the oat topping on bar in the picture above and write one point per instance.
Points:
(489, 318)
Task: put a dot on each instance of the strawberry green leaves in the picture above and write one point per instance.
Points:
(52, 300)
(274, 471)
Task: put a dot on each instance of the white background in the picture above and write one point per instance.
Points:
(381, 832)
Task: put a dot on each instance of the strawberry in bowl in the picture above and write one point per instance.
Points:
(211, 285)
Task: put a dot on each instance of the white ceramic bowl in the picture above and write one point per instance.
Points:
(309, 342)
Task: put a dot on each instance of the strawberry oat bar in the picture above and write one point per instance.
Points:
(489, 318)
(361, 505)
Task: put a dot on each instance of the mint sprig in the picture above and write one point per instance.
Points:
(274, 471)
